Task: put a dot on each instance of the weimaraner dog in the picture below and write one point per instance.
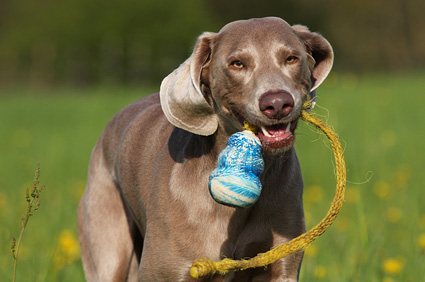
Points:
(147, 214)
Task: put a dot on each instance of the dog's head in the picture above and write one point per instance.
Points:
(258, 70)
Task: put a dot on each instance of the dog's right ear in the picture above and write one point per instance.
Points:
(182, 100)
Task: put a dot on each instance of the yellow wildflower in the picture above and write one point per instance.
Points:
(393, 265)
(422, 221)
(3, 200)
(320, 272)
(402, 177)
(78, 190)
(311, 251)
(394, 214)
(388, 279)
(382, 189)
(342, 224)
(68, 250)
(313, 194)
(68, 243)
(352, 195)
(308, 216)
(421, 241)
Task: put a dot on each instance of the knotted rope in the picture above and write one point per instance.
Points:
(207, 266)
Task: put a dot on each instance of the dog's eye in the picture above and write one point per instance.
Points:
(291, 60)
(237, 64)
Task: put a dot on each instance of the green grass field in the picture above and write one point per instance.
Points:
(379, 235)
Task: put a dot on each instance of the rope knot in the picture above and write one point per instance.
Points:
(203, 267)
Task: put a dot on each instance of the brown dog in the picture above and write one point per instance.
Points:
(147, 213)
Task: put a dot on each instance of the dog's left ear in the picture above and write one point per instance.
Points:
(182, 100)
(321, 52)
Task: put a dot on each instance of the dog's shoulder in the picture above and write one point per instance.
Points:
(145, 105)
(145, 110)
(140, 122)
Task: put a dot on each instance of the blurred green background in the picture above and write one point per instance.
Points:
(66, 67)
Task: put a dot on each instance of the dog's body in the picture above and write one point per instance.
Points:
(147, 214)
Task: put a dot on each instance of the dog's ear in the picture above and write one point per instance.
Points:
(321, 53)
(182, 100)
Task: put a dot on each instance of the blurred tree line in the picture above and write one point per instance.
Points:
(85, 42)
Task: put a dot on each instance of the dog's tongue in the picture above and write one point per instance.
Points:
(276, 137)
(281, 131)
(278, 131)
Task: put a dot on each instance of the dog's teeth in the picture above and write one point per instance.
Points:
(288, 127)
(265, 132)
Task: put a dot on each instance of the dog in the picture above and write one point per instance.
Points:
(147, 214)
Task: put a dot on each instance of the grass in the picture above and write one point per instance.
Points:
(58, 130)
(33, 203)
(377, 236)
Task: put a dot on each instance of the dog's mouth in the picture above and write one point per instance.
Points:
(277, 137)
(274, 138)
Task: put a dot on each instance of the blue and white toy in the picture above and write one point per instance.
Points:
(235, 182)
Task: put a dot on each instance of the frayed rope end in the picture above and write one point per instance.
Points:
(203, 267)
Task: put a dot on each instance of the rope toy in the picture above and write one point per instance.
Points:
(207, 266)
(236, 180)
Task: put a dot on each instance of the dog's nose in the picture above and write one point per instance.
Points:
(277, 104)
